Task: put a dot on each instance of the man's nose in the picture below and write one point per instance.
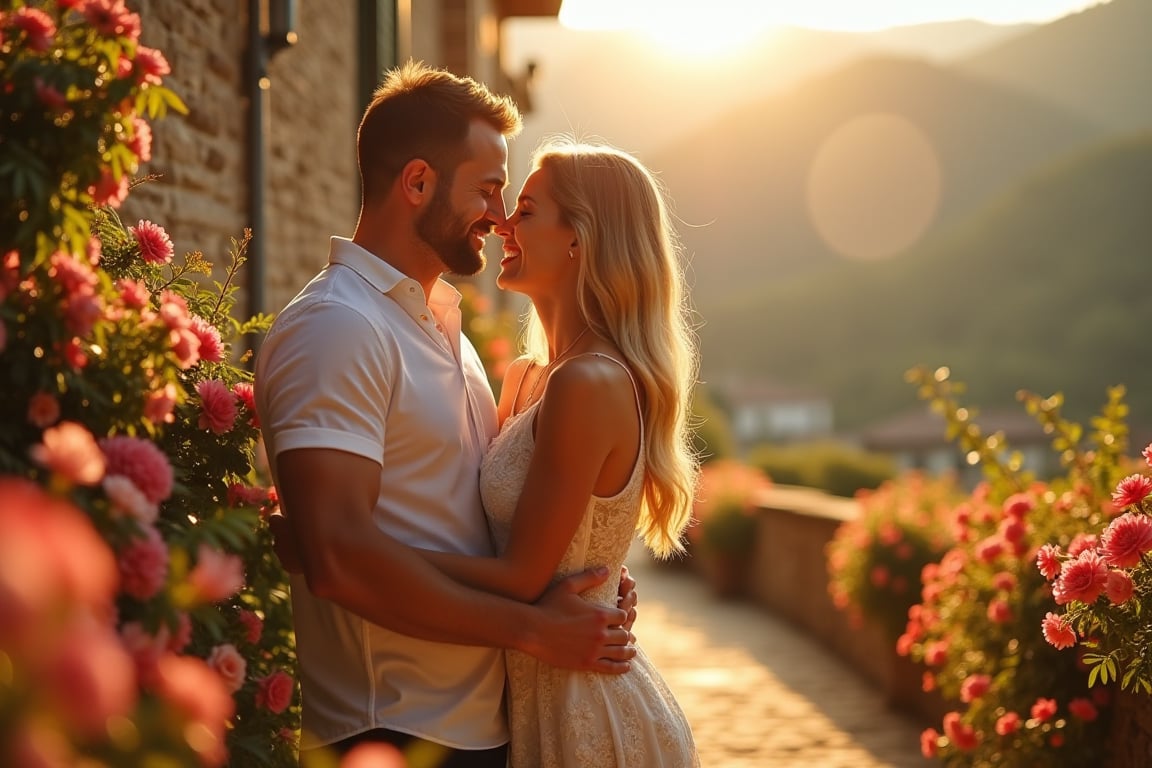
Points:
(497, 213)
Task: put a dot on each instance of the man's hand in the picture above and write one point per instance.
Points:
(626, 597)
(284, 543)
(576, 634)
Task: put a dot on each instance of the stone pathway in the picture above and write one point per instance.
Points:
(757, 691)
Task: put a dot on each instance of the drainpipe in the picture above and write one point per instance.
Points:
(271, 29)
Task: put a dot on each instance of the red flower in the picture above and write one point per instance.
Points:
(274, 691)
(211, 346)
(973, 687)
(36, 25)
(1048, 561)
(1057, 631)
(150, 65)
(1126, 539)
(1008, 724)
(142, 463)
(1081, 579)
(155, 245)
(929, 743)
(1083, 709)
(247, 396)
(1044, 709)
(1120, 587)
(144, 565)
(217, 406)
(1132, 490)
(963, 736)
(70, 451)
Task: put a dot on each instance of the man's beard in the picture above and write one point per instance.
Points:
(440, 228)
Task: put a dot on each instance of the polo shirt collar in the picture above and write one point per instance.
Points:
(383, 276)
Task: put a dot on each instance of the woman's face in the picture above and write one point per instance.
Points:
(537, 241)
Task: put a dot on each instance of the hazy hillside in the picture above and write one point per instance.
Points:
(741, 184)
(1044, 288)
(1098, 62)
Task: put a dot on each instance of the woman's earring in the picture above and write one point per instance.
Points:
(571, 255)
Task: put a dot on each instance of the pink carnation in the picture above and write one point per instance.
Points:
(70, 451)
(185, 347)
(109, 190)
(1008, 723)
(142, 463)
(217, 575)
(973, 687)
(1081, 543)
(1120, 587)
(90, 678)
(112, 19)
(144, 565)
(43, 410)
(134, 294)
(962, 736)
(1048, 561)
(274, 692)
(127, 499)
(989, 549)
(253, 626)
(211, 346)
(1081, 579)
(1132, 490)
(36, 25)
(1057, 631)
(929, 743)
(217, 406)
(188, 684)
(1044, 709)
(150, 65)
(145, 648)
(936, 653)
(1000, 611)
(1126, 539)
(155, 245)
(159, 404)
(1083, 709)
(1147, 454)
(1004, 581)
(229, 664)
(181, 634)
(141, 142)
(1018, 505)
(247, 396)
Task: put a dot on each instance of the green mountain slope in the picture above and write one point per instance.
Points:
(1046, 288)
(1098, 62)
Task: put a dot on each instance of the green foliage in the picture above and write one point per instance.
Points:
(832, 467)
(712, 433)
(724, 515)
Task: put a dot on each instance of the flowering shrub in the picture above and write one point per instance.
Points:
(978, 626)
(143, 619)
(875, 560)
(490, 331)
(723, 517)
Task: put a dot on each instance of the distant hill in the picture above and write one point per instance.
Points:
(945, 41)
(1045, 288)
(1098, 62)
(740, 184)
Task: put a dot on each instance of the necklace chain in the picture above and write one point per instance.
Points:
(548, 368)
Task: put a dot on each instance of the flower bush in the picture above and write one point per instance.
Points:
(143, 619)
(978, 628)
(723, 517)
(875, 560)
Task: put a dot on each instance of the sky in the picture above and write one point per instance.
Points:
(735, 17)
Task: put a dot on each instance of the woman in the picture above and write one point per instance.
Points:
(594, 442)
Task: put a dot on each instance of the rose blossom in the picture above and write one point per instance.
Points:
(211, 346)
(1048, 561)
(1081, 579)
(1057, 631)
(229, 664)
(974, 687)
(1083, 709)
(217, 406)
(217, 575)
(1044, 709)
(126, 498)
(1132, 490)
(1126, 539)
(274, 692)
(1120, 587)
(155, 244)
(141, 462)
(144, 565)
(1008, 723)
(43, 410)
(70, 451)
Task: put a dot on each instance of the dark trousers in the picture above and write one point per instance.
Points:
(429, 751)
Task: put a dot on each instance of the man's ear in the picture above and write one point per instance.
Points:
(417, 181)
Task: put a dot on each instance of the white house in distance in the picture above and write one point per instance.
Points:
(766, 411)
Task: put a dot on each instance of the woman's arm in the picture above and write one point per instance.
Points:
(577, 428)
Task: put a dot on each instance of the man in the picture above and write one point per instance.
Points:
(376, 413)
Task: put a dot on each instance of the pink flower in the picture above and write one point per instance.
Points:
(240, 495)
(1120, 587)
(1018, 505)
(1147, 454)
(1132, 490)
(1048, 561)
(1057, 631)
(159, 404)
(217, 406)
(144, 565)
(111, 19)
(109, 190)
(150, 65)
(127, 499)
(211, 346)
(936, 653)
(185, 347)
(1013, 530)
(1044, 709)
(145, 648)
(189, 685)
(50, 98)
(1081, 579)
(373, 755)
(81, 311)
(134, 294)
(989, 549)
(929, 743)
(182, 634)
(141, 142)
(1081, 543)
(1083, 709)
(1126, 539)
(37, 26)
(142, 463)
(72, 353)
(1000, 611)
(217, 575)
(70, 452)
(247, 396)
(973, 687)
(91, 678)
(155, 245)
(274, 691)
(43, 410)
(1004, 581)
(253, 626)
(229, 664)
(963, 736)
(1008, 724)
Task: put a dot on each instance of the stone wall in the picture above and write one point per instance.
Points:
(312, 189)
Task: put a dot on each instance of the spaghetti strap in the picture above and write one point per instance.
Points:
(635, 388)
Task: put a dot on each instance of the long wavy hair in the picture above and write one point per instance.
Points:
(631, 290)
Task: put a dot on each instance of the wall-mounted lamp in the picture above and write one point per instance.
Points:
(278, 25)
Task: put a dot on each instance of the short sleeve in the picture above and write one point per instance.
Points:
(323, 380)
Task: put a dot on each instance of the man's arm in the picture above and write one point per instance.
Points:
(328, 497)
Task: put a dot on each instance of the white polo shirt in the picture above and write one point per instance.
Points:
(358, 362)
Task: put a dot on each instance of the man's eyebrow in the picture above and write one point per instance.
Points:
(496, 181)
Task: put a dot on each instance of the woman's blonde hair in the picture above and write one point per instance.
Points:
(630, 288)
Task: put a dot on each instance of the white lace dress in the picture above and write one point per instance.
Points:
(582, 719)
